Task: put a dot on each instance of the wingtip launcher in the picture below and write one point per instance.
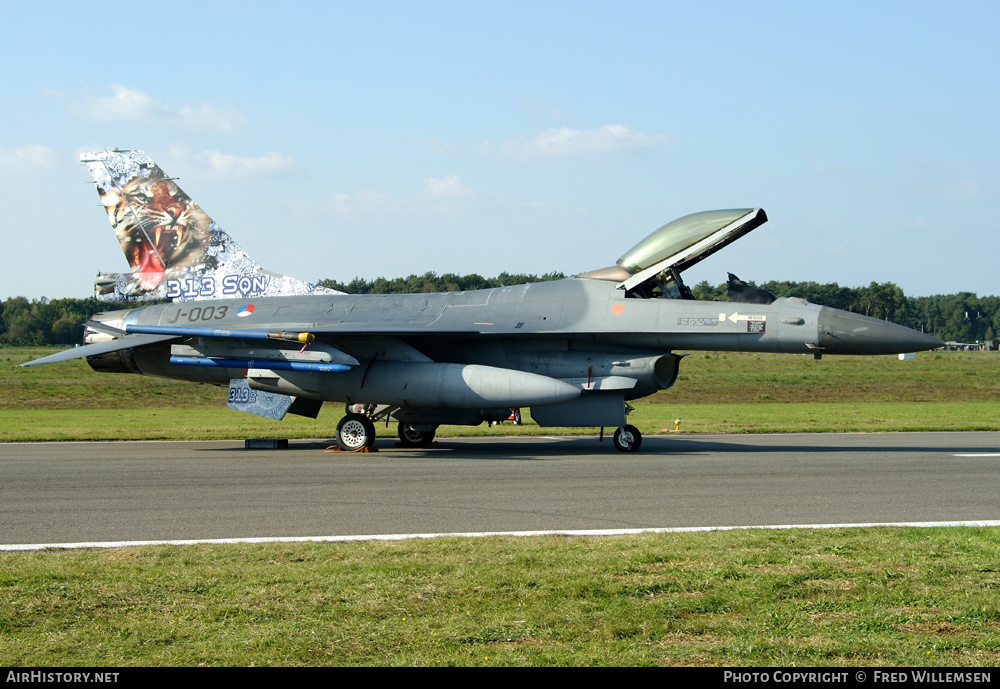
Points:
(280, 335)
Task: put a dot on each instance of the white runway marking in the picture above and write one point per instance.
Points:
(980, 454)
(483, 534)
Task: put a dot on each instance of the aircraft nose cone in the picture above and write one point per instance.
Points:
(843, 332)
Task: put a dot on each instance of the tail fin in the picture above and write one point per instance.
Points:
(175, 250)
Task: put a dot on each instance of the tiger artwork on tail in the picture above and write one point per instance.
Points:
(176, 251)
(161, 230)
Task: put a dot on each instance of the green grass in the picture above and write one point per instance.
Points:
(754, 598)
(887, 596)
(34, 425)
(715, 393)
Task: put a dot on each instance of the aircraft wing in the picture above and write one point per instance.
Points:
(135, 336)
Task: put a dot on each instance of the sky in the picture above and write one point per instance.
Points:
(365, 139)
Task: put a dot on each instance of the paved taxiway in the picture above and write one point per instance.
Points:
(87, 492)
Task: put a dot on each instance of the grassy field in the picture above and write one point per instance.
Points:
(876, 597)
(715, 393)
(911, 597)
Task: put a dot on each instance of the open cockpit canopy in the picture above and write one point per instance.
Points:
(652, 267)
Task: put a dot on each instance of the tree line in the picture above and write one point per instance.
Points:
(432, 282)
(962, 317)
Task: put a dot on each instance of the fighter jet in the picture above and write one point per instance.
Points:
(574, 351)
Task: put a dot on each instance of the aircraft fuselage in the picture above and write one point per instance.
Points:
(567, 329)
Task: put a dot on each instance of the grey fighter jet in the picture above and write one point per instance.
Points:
(574, 351)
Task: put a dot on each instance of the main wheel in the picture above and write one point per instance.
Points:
(627, 439)
(354, 432)
(412, 437)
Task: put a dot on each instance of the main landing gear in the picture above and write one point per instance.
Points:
(411, 436)
(355, 432)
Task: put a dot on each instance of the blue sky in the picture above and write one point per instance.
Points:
(335, 140)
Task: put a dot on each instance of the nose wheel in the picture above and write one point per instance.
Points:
(627, 439)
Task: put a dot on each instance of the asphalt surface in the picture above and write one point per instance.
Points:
(89, 492)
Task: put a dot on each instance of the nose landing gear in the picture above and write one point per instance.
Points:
(627, 439)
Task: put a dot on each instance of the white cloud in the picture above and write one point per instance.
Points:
(25, 157)
(450, 185)
(554, 143)
(244, 166)
(440, 224)
(961, 190)
(439, 195)
(132, 105)
(563, 141)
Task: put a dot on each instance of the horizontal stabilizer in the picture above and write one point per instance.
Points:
(102, 327)
(126, 342)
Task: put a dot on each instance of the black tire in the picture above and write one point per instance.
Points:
(629, 441)
(411, 437)
(354, 432)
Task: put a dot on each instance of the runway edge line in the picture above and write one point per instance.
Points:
(484, 534)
